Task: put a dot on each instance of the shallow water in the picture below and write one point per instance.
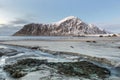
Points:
(28, 53)
(103, 49)
(25, 53)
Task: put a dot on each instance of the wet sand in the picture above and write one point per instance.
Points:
(106, 47)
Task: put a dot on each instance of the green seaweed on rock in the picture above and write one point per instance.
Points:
(80, 69)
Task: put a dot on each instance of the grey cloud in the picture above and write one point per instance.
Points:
(19, 21)
(23, 19)
(8, 29)
(16, 24)
(13, 26)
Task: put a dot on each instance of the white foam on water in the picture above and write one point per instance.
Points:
(2, 60)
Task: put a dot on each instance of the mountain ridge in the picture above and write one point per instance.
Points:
(69, 26)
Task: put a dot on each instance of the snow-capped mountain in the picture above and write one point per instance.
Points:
(70, 26)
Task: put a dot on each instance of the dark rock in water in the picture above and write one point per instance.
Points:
(1, 54)
(21, 68)
(114, 35)
(81, 69)
(88, 41)
(101, 36)
(94, 41)
(71, 46)
(18, 74)
(119, 47)
(31, 62)
(91, 41)
(35, 47)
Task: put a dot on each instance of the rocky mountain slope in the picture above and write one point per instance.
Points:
(70, 26)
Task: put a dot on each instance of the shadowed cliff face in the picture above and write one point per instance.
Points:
(70, 26)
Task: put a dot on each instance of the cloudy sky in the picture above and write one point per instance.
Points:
(103, 13)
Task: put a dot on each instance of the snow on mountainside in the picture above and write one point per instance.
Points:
(68, 18)
(70, 26)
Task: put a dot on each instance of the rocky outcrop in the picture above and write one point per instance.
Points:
(80, 69)
(70, 26)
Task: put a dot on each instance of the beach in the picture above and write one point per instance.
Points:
(103, 51)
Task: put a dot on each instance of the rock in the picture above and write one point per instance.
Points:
(35, 47)
(22, 67)
(101, 36)
(114, 35)
(1, 54)
(94, 41)
(31, 62)
(18, 74)
(118, 47)
(91, 41)
(88, 41)
(81, 69)
(70, 26)
(71, 46)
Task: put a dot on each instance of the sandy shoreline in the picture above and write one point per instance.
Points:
(101, 51)
(94, 47)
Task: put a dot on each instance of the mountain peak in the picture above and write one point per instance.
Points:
(68, 19)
